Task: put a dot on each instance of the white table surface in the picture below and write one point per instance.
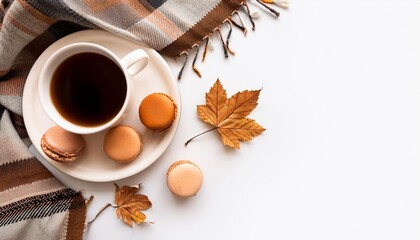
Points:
(340, 157)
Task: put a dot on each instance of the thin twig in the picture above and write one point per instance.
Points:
(186, 143)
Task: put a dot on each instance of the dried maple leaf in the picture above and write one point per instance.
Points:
(228, 116)
(130, 204)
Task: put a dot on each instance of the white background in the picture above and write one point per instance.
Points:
(340, 157)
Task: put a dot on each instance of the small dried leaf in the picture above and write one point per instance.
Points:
(129, 204)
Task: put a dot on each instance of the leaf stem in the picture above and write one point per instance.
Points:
(100, 211)
(186, 143)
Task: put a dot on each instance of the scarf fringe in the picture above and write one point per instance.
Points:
(183, 65)
(272, 10)
(241, 26)
(206, 48)
(228, 37)
(248, 11)
(195, 59)
(230, 22)
(225, 51)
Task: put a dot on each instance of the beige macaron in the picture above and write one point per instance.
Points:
(61, 145)
(122, 143)
(184, 178)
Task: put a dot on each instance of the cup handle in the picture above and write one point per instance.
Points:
(135, 61)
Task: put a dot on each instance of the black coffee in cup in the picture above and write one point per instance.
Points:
(88, 89)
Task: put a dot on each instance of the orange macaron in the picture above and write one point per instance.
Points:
(122, 143)
(157, 111)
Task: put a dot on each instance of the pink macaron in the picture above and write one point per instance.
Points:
(61, 145)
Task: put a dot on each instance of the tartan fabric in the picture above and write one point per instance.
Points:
(33, 203)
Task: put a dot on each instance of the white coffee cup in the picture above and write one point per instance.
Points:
(130, 65)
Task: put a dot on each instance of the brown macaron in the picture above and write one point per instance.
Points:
(61, 145)
(184, 178)
(122, 143)
(157, 111)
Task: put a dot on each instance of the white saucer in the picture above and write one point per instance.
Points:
(93, 164)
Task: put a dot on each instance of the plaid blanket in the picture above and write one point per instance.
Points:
(34, 204)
